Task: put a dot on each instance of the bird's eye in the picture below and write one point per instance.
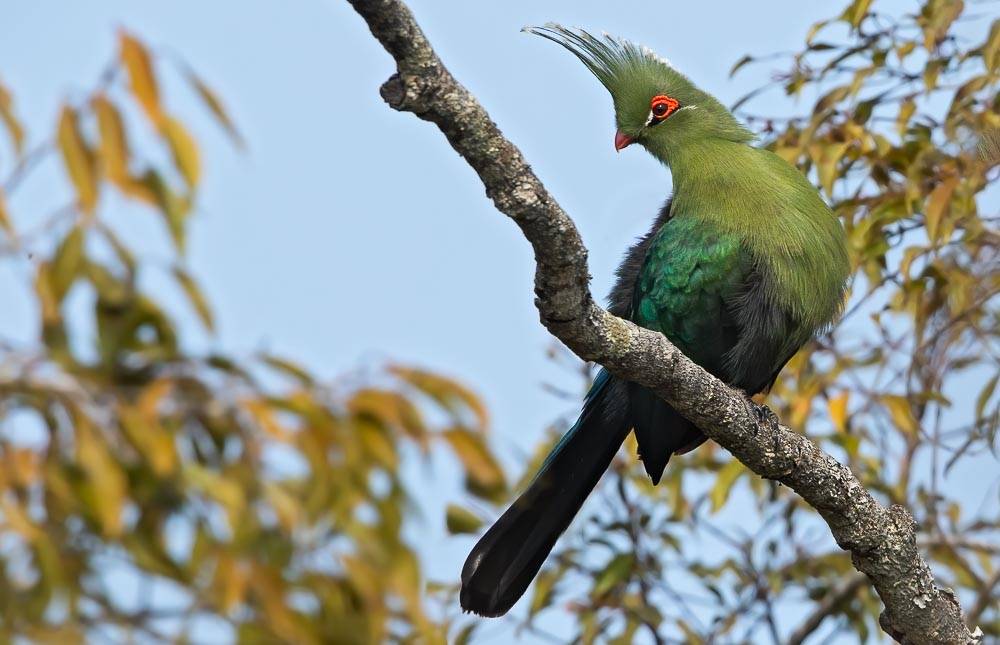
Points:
(662, 106)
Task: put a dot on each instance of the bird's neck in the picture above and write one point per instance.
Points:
(698, 165)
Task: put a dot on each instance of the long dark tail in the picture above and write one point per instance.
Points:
(506, 559)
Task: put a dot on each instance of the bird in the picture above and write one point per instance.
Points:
(743, 265)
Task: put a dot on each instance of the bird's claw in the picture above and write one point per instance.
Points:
(765, 416)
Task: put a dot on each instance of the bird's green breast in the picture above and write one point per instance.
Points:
(776, 215)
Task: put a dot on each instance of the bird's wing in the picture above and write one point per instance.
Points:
(704, 291)
(689, 276)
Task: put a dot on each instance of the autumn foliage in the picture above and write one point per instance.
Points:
(161, 461)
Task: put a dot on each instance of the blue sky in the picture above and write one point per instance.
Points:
(349, 234)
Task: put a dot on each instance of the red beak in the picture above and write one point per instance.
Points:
(622, 140)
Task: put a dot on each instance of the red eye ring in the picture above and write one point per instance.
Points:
(663, 106)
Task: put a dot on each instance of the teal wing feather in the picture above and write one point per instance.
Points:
(690, 275)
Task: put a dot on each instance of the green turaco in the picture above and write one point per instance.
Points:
(742, 266)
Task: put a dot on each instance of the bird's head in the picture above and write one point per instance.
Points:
(655, 105)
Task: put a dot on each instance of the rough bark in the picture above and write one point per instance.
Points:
(882, 541)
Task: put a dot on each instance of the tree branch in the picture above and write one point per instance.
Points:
(882, 541)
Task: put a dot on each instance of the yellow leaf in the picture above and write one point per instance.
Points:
(390, 409)
(211, 99)
(78, 159)
(106, 477)
(5, 222)
(266, 418)
(184, 149)
(143, 428)
(826, 156)
(13, 516)
(231, 581)
(220, 488)
(991, 48)
(901, 413)
(480, 466)
(195, 297)
(11, 122)
(905, 49)
(142, 79)
(451, 395)
(856, 12)
(285, 507)
(814, 29)
(113, 150)
(936, 18)
(937, 206)
(724, 481)
(838, 411)
(377, 442)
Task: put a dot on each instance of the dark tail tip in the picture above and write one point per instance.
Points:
(655, 465)
(491, 582)
(476, 601)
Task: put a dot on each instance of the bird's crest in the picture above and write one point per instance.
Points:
(605, 56)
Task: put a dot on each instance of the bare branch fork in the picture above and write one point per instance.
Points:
(882, 541)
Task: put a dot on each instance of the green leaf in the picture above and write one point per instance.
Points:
(739, 64)
(288, 368)
(464, 635)
(614, 573)
(906, 110)
(460, 520)
(214, 104)
(543, 595)
(67, 262)
(195, 297)
(985, 394)
(174, 208)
